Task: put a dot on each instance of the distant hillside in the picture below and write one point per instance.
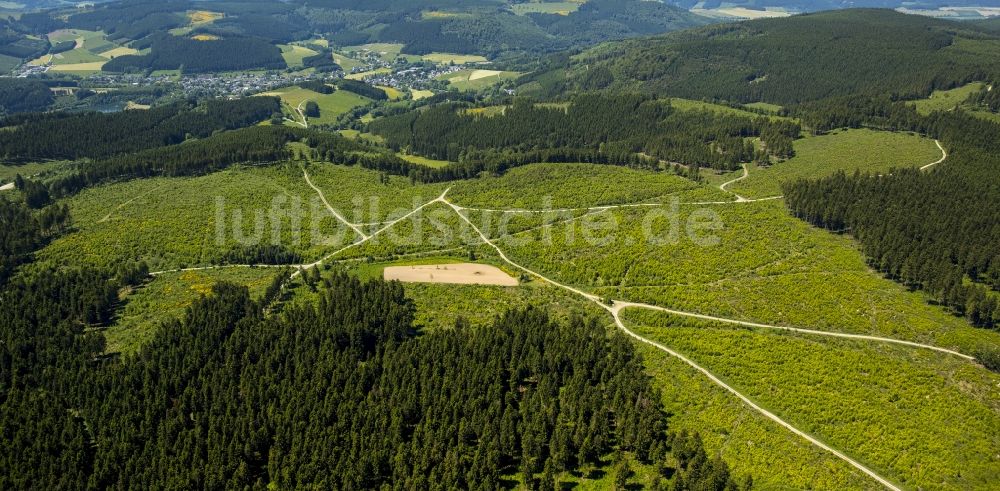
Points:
(785, 61)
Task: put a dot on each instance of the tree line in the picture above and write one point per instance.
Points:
(169, 52)
(341, 394)
(933, 230)
(97, 135)
(594, 124)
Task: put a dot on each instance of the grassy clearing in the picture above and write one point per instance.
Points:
(330, 105)
(446, 58)
(166, 297)
(701, 106)
(198, 17)
(31, 169)
(442, 14)
(915, 416)
(293, 54)
(566, 185)
(741, 13)
(862, 149)
(174, 222)
(765, 106)
(560, 8)
(416, 159)
(946, 100)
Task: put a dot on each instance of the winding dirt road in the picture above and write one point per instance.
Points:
(615, 308)
(944, 155)
(746, 174)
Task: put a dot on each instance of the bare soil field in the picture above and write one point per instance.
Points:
(459, 274)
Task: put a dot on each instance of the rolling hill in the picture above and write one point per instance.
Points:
(786, 61)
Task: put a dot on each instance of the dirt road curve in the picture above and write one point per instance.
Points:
(615, 308)
(944, 155)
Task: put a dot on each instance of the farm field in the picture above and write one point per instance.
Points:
(848, 393)
(174, 222)
(850, 150)
(92, 50)
(472, 79)
(166, 297)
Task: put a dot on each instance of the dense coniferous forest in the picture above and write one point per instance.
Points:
(132, 19)
(95, 135)
(612, 126)
(785, 61)
(168, 52)
(23, 95)
(931, 230)
(23, 232)
(458, 408)
(255, 144)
